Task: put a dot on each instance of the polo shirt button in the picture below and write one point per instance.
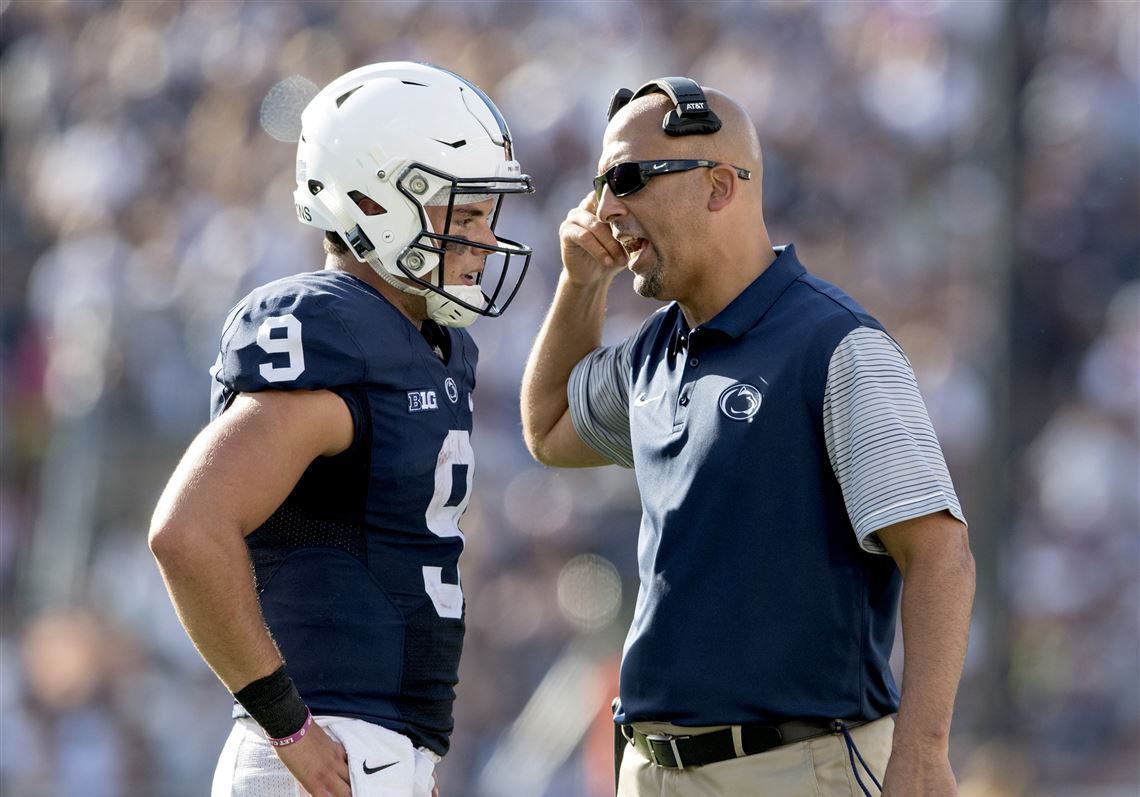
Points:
(684, 401)
(694, 362)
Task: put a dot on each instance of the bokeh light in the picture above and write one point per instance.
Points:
(589, 592)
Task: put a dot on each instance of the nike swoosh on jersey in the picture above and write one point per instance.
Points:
(372, 770)
(640, 400)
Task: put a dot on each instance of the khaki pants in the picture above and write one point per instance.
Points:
(817, 767)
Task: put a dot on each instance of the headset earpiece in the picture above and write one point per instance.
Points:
(618, 101)
(690, 116)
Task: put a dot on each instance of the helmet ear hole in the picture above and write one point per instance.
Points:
(368, 206)
(315, 187)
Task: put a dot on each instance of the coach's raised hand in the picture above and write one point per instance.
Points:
(590, 253)
(591, 257)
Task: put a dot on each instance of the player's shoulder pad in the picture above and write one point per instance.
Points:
(298, 333)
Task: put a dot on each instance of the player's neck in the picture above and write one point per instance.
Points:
(412, 307)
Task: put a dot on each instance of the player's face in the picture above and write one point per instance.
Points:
(462, 264)
(655, 224)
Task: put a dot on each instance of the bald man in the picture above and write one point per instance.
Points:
(791, 483)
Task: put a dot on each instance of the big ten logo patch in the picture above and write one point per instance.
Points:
(422, 400)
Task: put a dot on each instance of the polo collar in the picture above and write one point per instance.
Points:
(746, 310)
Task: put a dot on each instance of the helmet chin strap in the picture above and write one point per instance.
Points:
(449, 314)
(440, 308)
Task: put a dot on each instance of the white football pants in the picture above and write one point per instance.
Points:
(382, 763)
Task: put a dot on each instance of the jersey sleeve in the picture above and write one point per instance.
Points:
(288, 339)
(879, 438)
(598, 394)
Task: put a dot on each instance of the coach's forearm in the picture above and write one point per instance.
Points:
(572, 329)
(936, 601)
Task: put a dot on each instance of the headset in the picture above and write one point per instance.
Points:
(691, 116)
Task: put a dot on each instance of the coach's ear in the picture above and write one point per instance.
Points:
(722, 186)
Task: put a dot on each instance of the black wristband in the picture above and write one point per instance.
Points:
(274, 703)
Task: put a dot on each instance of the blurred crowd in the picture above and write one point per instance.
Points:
(967, 170)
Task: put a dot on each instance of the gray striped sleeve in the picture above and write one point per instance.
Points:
(598, 393)
(879, 438)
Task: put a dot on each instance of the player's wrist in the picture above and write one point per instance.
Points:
(296, 736)
(275, 704)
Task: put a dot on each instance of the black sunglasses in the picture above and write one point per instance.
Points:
(629, 177)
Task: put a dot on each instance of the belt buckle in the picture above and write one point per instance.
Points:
(672, 741)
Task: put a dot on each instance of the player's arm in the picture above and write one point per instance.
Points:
(591, 258)
(937, 567)
(233, 476)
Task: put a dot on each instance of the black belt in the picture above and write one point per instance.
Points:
(679, 752)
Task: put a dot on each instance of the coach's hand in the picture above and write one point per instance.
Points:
(590, 253)
(925, 772)
(319, 763)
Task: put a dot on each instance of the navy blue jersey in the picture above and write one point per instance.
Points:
(357, 571)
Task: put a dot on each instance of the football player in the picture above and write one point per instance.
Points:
(310, 536)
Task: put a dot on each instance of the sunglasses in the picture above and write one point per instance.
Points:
(629, 177)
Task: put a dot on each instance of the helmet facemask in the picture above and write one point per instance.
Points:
(504, 262)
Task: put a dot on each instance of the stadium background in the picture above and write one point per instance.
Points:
(968, 170)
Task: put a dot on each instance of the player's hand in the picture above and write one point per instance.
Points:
(590, 253)
(319, 763)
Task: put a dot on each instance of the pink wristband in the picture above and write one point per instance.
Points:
(293, 738)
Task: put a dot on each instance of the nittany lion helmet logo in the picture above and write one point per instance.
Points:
(740, 402)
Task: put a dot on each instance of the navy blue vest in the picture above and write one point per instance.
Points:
(357, 571)
(756, 602)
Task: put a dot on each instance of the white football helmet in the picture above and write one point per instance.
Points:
(408, 135)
